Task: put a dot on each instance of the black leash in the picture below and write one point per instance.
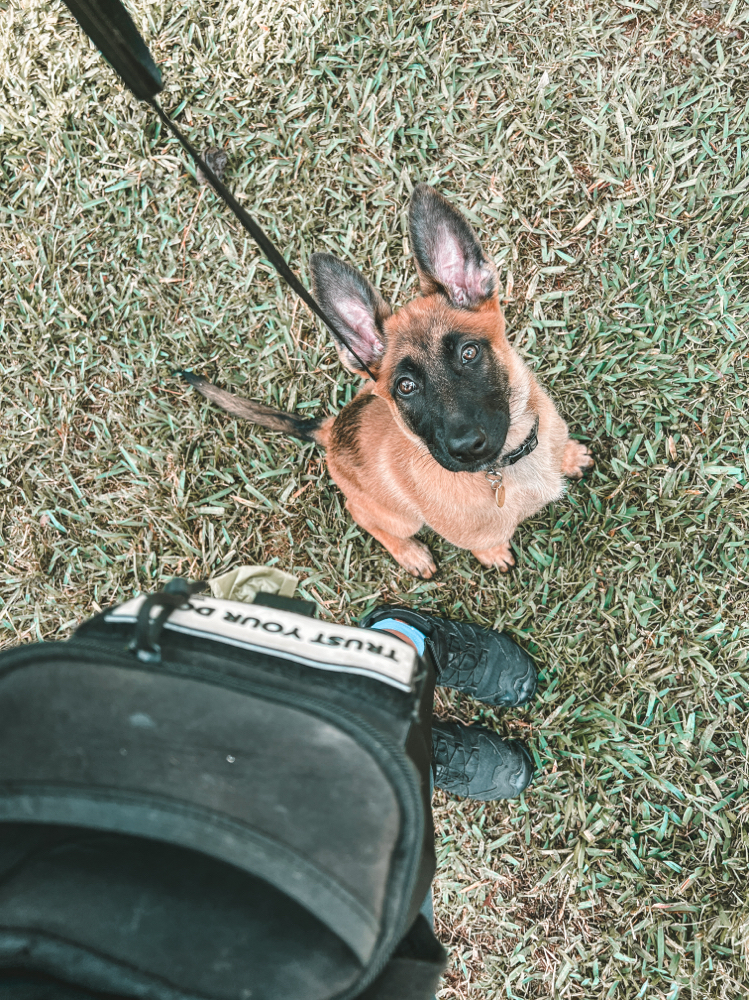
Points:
(113, 32)
(272, 253)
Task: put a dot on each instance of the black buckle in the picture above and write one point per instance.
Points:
(148, 629)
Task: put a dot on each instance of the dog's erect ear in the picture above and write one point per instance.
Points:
(447, 252)
(354, 305)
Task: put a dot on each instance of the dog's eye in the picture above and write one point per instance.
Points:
(469, 353)
(406, 386)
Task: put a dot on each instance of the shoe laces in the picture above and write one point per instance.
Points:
(458, 761)
(463, 654)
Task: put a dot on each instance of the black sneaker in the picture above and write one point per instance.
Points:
(485, 664)
(476, 763)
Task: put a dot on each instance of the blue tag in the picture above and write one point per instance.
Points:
(416, 637)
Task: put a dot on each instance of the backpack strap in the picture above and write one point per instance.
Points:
(413, 973)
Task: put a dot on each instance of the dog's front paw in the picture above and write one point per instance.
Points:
(577, 458)
(500, 557)
(416, 558)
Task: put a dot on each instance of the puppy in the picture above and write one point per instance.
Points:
(455, 432)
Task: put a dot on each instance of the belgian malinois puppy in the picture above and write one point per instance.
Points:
(455, 432)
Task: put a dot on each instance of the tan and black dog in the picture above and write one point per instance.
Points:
(455, 432)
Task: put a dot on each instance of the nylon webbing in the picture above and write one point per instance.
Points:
(267, 247)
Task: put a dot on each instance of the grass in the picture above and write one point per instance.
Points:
(601, 150)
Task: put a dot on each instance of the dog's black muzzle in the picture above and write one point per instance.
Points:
(471, 447)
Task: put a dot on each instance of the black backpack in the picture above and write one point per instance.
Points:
(208, 800)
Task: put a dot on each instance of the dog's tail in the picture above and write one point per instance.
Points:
(258, 413)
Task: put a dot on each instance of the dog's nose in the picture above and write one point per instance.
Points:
(469, 446)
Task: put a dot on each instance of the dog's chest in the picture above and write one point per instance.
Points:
(463, 505)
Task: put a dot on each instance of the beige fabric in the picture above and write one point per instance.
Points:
(243, 583)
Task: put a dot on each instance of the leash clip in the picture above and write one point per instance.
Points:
(494, 478)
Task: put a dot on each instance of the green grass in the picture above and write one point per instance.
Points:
(601, 151)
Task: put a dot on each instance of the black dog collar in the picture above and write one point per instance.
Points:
(494, 476)
(522, 450)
